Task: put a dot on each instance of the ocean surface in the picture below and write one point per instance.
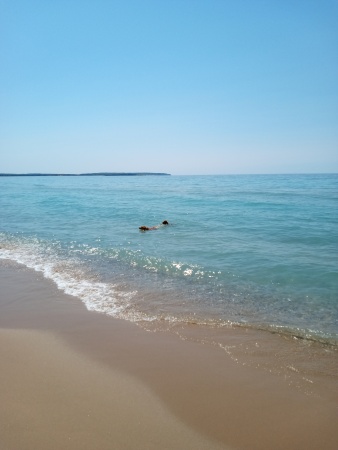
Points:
(255, 251)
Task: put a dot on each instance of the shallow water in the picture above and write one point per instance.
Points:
(257, 251)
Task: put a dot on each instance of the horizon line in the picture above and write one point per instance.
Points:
(42, 174)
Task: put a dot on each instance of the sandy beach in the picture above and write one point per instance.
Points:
(74, 379)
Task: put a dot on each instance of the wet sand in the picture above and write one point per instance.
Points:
(76, 379)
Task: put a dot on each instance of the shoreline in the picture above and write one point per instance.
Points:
(190, 395)
(94, 174)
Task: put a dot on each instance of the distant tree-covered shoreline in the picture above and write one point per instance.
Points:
(94, 174)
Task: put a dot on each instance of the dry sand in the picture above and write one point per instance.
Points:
(74, 379)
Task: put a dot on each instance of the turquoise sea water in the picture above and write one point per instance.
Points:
(259, 251)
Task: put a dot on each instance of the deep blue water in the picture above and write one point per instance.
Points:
(259, 250)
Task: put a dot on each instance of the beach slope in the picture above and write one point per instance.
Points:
(76, 379)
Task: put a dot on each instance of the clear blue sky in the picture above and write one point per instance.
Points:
(178, 86)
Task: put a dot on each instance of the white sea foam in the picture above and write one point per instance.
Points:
(71, 278)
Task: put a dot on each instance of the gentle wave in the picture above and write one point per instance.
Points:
(75, 277)
(70, 268)
(70, 275)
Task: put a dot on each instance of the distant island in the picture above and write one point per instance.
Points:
(95, 174)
